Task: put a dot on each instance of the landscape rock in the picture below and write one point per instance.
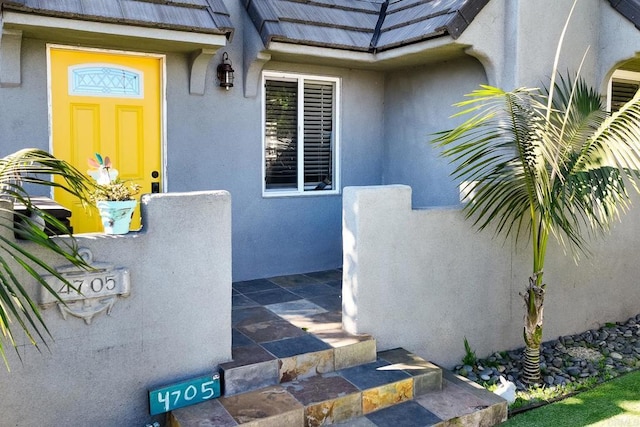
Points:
(603, 354)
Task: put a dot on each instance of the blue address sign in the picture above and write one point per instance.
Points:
(183, 394)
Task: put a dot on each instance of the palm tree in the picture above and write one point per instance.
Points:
(19, 171)
(541, 163)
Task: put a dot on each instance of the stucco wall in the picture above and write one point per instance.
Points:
(174, 325)
(214, 143)
(619, 41)
(516, 41)
(23, 110)
(418, 103)
(425, 279)
(508, 47)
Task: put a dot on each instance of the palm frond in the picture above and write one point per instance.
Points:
(577, 112)
(495, 150)
(32, 167)
(552, 161)
(618, 138)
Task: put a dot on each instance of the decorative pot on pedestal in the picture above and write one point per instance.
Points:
(116, 215)
(114, 198)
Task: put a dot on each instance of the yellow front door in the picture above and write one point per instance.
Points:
(107, 103)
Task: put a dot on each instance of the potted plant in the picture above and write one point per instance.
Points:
(113, 197)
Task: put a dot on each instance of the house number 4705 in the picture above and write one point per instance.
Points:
(184, 394)
(172, 399)
(87, 287)
(88, 284)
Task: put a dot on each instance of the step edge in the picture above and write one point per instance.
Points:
(472, 387)
(370, 356)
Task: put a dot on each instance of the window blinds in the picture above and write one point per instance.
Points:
(281, 134)
(622, 92)
(284, 158)
(318, 134)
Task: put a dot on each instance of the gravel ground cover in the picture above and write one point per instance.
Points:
(591, 357)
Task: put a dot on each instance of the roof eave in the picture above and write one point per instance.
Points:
(440, 32)
(66, 30)
(417, 53)
(224, 25)
(277, 40)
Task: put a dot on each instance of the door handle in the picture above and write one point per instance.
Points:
(155, 186)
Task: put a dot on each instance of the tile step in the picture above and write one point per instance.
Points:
(460, 403)
(301, 357)
(396, 389)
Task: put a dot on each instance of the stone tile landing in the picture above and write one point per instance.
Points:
(293, 365)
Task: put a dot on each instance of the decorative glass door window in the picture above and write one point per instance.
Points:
(105, 80)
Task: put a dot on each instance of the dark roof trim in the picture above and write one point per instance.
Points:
(464, 16)
(630, 9)
(376, 32)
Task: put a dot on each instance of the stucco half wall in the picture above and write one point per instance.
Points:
(174, 325)
(425, 279)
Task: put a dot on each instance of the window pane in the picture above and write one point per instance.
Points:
(281, 139)
(318, 135)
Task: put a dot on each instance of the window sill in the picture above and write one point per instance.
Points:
(295, 193)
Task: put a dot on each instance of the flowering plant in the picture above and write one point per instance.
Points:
(110, 187)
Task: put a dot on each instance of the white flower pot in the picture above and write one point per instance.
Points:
(116, 215)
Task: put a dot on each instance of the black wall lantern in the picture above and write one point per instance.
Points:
(225, 72)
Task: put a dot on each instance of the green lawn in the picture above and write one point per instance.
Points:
(615, 403)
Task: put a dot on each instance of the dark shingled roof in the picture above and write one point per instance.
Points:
(202, 16)
(630, 9)
(357, 25)
(360, 25)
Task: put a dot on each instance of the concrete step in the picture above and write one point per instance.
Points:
(396, 386)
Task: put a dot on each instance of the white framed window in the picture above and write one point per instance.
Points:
(300, 134)
(622, 87)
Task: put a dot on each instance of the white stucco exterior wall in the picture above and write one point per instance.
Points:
(510, 44)
(425, 279)
(419, 102)
(516, 40)
(175, 324)
(214, 142)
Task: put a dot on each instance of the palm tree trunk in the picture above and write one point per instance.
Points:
(534, 300)
(531, 374)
